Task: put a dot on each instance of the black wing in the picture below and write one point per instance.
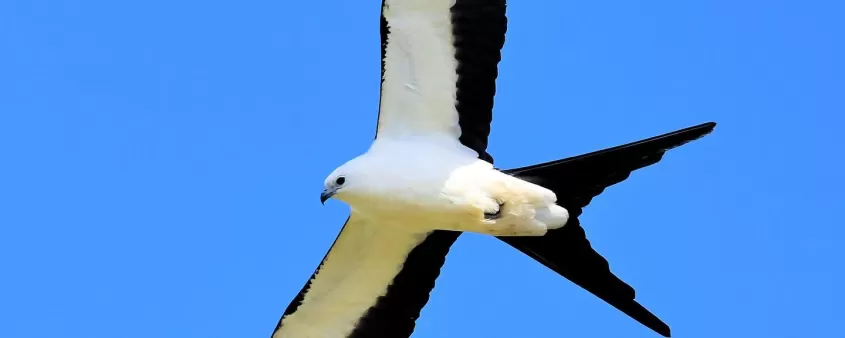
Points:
(478, 29)
(394, 314)
(417, 60)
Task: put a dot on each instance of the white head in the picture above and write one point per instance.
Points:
(350, 181)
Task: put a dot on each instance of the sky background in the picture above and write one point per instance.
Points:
(160, 164)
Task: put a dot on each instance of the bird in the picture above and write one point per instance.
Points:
(427, 177)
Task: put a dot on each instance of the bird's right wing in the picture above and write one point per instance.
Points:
(377, 277)
(439, 69)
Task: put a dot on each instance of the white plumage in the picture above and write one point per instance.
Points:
(365, 258)
(442, 185)
(419, 89)
(416, 177)
(417, 168)
(428, 170)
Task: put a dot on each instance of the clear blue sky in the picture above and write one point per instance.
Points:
(160, 164)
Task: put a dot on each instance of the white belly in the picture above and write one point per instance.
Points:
(431, 185)
(420, 180)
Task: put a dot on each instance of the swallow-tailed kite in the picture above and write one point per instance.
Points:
(427, 177)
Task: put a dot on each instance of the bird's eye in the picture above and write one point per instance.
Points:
(340, 180)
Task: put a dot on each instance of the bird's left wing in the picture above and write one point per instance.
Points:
(439, 67)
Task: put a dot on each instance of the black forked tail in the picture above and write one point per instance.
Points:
(576, 181)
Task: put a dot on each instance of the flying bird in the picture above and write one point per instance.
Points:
(427, 177)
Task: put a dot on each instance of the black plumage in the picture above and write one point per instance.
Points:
(478, 28)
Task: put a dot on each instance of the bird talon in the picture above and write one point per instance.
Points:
(495, 215)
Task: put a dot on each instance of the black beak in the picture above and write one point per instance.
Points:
(325, 195)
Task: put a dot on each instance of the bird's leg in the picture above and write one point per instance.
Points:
(500, 217)
(494, 215)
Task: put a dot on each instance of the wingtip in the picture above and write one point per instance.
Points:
(689, 134)
(665, 331)
(659, 327)
(638, 312)
(709, 125)
(705, 128)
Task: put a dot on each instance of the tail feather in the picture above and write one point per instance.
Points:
(576, 181)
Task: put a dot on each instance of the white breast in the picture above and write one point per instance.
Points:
(409, 177)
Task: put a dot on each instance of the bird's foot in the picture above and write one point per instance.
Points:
(507, 221)
(494, 215)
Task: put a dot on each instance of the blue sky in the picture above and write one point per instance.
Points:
(161, 161)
